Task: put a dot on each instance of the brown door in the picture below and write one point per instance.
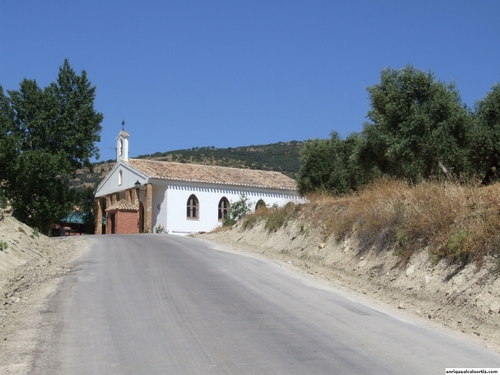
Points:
(141, 217)
(112, 218)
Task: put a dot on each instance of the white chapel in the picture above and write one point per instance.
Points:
(147, 196)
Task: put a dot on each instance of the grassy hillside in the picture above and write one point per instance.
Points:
(281, 156)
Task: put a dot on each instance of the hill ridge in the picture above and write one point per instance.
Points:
(280, 157)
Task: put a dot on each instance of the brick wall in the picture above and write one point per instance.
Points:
(125, 222)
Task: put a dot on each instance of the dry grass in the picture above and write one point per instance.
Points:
(459, 223)
(250, 220)
(221, 229)
(274, 218)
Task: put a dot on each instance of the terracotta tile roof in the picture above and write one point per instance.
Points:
(213, 174)
(122, 205)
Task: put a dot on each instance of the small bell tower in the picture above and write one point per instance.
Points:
(122, 144)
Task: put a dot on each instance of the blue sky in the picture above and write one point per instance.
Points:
(192, 73)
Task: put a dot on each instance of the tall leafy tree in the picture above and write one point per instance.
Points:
(419, 127)
(51, 132)
(7, 143)
(40, 196)
(330, 165)
(486, 145)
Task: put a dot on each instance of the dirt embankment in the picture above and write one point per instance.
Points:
(31, 266)
(465, 300)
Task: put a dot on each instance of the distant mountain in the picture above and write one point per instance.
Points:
(281, 157)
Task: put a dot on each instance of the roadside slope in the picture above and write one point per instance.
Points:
(31, 267)
(464, 300)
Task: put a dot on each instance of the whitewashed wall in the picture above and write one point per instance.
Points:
(173, 215)
(111, 183)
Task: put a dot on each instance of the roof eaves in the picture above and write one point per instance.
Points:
(223, 183)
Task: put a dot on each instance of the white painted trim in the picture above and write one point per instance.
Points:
(110, 183)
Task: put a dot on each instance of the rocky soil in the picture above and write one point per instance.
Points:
(31, 267)
(465, 301)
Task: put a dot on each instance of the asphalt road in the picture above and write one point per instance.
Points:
(164, 304)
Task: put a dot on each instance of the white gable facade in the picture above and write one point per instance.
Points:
(182, 198)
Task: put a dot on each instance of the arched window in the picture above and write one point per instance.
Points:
(120, 177)
(223, 208)
(193, 207)
(260, 205)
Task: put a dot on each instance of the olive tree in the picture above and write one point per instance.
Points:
(418, 127)
(330, 165)
(485, 148)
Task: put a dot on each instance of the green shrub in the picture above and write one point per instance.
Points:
(160, 229)
(456, 245)
(401, 242)
(237, 211)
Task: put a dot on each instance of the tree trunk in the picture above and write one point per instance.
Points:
(449, 176)
(487, 177)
